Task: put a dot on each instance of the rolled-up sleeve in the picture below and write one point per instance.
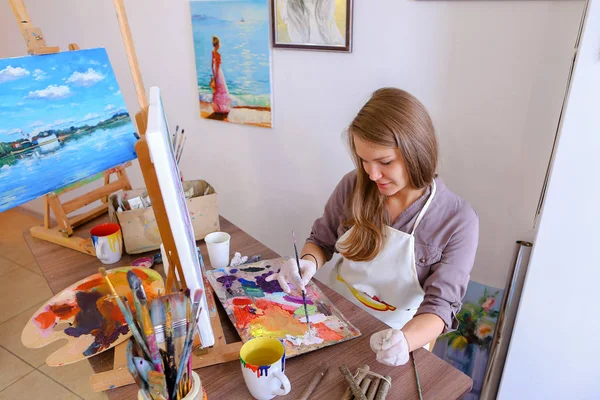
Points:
(447, 283)
(325, 229)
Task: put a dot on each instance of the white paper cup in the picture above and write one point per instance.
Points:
(217, 244)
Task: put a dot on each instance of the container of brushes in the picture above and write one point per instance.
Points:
(197, 393)
(139, 227)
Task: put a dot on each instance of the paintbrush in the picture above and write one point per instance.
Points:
(178, 155)
(126, 303)
(143, 367)
(179, 145)
(189, 307)
(174, 136)
(300, 273)
(135, 284)
(170, 369)
(134, 372)
(143, 311)
(189, 339)
(158, 385)
(128, 316)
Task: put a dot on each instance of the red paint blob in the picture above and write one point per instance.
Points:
(243, 316)
(239, 301)
(140, 274)
(91, 284)
(323, 331)
(46, 319)
(65, 311)
(266, 304)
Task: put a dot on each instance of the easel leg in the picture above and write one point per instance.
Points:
(46, 213)
(59, 213)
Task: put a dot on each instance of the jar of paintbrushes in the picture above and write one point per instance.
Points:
(159, 355)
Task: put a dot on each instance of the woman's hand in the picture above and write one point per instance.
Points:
(391, 347)
(289, 274)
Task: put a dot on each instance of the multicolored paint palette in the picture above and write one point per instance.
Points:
(86, 315)
(259, 308)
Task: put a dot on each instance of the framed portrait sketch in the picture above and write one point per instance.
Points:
(324, 25)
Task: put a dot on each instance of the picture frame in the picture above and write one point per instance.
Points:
(291, 22)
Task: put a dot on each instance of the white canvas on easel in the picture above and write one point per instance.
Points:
(169, 181)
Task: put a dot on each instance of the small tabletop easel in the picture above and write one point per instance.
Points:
(221, 351)
(61, 234)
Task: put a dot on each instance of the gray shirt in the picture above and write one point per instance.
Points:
(445, 243)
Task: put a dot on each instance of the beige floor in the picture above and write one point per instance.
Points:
(23, 372)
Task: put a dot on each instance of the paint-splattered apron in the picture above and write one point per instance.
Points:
(387, 286)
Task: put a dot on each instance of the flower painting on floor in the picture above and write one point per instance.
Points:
(62, 119)
(468, 348)
(313, 24)
(260, 308)
(233, 60)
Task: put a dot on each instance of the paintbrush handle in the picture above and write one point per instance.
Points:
(126, 314)
(132, 326)
(189, 340)
(151, 342)
(300, 273)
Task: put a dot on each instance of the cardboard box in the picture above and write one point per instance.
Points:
(139, 228)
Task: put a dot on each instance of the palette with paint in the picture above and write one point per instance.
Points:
(260, 308)
(86, 315)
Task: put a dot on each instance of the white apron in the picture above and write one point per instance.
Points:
(388, 286)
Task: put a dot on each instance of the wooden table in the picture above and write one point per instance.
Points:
(439, 380)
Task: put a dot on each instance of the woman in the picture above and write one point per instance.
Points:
(407, 243)
(221, 100)
(311, 21)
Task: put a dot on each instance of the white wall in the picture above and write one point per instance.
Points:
(554, 349)
(491, 73)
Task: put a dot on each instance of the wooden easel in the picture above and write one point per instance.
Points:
(221, 352)
(61, 234)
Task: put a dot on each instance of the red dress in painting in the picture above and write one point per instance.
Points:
(221, 101)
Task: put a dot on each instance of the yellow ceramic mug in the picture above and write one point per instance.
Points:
(263, 366)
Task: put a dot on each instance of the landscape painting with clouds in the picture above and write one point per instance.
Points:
(62, 119)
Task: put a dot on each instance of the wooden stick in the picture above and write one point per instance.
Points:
(362, 371)
(373, 389)
(36, 44)
(354, 388)
(323, 368)
(132, 57)
(46, 212)
(384, 388)
(364, 385)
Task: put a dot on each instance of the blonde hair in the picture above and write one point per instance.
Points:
(216, 41)
(391, 118)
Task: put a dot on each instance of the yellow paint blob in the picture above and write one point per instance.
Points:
(276, 323)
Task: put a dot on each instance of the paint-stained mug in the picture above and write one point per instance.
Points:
(263, 366)
(108, 242)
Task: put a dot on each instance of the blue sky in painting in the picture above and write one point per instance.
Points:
(56, 91)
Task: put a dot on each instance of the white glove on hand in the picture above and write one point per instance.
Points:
(289, 274)
(391, 347)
